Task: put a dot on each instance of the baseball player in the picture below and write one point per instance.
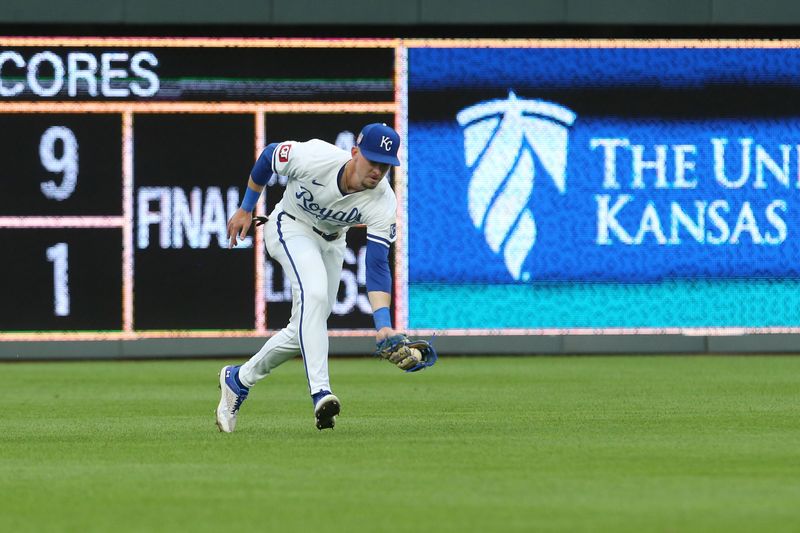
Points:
(328, 191)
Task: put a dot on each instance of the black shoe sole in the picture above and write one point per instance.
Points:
(326, 415)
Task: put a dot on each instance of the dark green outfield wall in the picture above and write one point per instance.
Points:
(413, 12)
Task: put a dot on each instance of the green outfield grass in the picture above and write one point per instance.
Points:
(475, 444)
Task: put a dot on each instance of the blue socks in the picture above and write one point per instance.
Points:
(236, 378)
(320, 395)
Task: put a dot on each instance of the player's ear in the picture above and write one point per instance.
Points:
(353, 151)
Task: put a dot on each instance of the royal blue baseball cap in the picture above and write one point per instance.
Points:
(379, 143)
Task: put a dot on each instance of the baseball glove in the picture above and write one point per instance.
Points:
(409, 355)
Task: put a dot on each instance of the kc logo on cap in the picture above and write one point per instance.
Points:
(379, 143)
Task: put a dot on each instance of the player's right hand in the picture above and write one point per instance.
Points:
(238, 226)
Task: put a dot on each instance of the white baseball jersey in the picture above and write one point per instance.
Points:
(313, 194)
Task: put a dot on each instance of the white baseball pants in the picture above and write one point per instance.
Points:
(314, 267)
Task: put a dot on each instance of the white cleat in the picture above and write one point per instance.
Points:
(231, 398)
(326, 407)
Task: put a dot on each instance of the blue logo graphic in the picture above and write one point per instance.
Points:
(501, 140)
(514, 186)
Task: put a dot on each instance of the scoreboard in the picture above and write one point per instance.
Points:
(122, 160)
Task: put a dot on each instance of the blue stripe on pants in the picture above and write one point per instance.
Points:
(302, 298)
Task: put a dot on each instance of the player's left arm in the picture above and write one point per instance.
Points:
(407, 354)
(379, 285)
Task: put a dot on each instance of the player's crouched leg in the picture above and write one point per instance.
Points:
(232, 395)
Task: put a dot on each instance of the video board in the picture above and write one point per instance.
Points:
(604, 186)
(122, 160)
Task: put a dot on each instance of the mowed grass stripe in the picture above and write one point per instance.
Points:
(670, 443)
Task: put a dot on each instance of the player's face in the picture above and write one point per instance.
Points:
(368, 173)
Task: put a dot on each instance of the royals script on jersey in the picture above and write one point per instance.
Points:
(313, 195)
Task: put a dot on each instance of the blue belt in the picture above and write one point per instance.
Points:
(327, 236)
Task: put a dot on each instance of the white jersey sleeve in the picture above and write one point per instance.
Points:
(284, 158)
(297, 160)
(382, 222)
